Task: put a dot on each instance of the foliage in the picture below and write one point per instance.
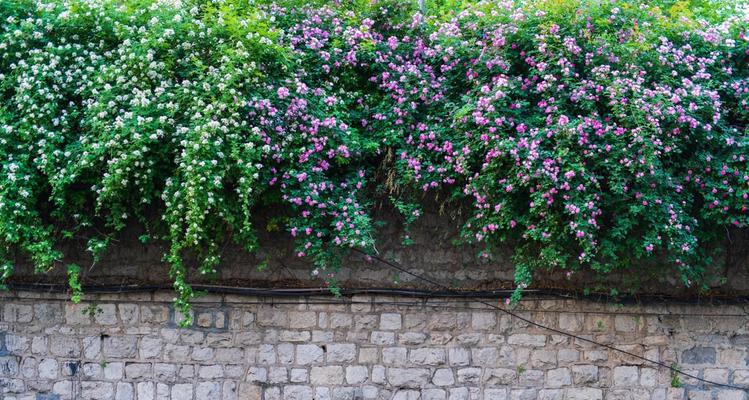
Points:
(590, 135)
(675, 377)
(74, 273)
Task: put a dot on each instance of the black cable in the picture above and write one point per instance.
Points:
(538, 294)
(306, 292)
(396, 266)
(291, 292)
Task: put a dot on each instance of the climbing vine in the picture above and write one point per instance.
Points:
(591, 135)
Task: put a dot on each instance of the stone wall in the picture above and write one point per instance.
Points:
(433, 255)
(128, 346)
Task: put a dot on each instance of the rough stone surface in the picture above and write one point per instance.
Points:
(699, 355)
(124, 391)
(584, 394)
(443, 377)
(306, 353)
(584, 374)
(341, 353)
(408, 377)
(373, 349)
(558, 377)
(297, 392)
(356, 374)
(390, 321)
(332, 375)
(625, 376)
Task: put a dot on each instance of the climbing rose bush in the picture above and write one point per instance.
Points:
(590, 136)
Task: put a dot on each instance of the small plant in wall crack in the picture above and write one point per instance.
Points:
(92, 310)
(600, 325)
(675, 377)
(74, 283)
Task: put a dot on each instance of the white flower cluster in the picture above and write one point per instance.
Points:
(137, 104)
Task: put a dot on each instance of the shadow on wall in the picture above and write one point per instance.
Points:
(433, 254)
